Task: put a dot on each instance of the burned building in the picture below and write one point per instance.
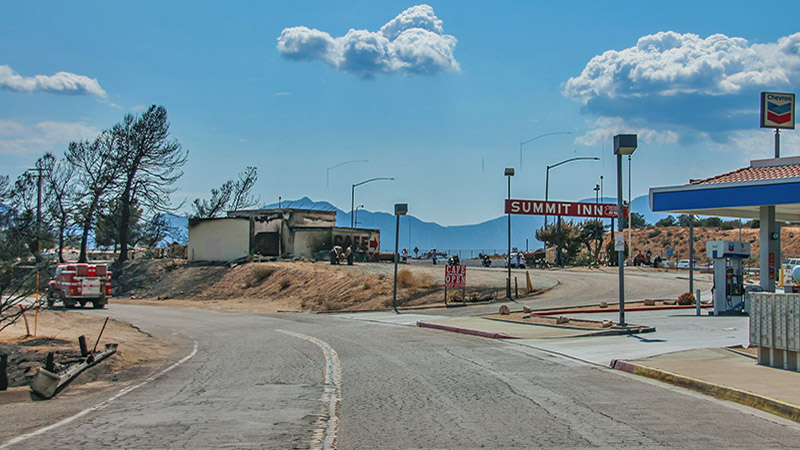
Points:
(282, 232)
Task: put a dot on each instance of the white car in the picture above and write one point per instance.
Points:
(513, 259)
(684, 264)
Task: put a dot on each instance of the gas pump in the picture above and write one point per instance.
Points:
(728, 291)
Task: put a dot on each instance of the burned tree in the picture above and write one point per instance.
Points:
(150, 164)
(17, 273)
(232, 195)
(61, 196)
(98, 171)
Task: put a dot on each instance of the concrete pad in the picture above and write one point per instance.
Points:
(675, 331)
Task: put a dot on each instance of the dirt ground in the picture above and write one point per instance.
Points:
(296, 286)
(58, 331)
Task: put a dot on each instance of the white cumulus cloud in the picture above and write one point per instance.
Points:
(413, 43)
(20, 139)
(687, 83)
(60, 83)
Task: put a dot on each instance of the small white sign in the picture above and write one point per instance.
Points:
(619, 243)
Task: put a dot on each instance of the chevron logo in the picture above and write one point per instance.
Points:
(779, 114)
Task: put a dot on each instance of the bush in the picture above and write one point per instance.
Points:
(687, 298)
(584, 259)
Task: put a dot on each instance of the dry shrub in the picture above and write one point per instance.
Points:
(261, 273)
(406, 279)
(687, 298)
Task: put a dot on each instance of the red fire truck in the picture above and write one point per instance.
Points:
(80, 283)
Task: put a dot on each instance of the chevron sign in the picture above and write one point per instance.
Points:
(777, 110)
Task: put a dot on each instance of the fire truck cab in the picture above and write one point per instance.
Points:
(80, 283)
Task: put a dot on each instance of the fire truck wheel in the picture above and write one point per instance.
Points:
(69, 304)
(98, 304)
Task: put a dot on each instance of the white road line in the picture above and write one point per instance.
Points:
(100, 405)
(328, 424)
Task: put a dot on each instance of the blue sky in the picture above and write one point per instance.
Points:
(438, 96)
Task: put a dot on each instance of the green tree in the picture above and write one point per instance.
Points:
(591, 235)
(668, 221)
(710, 222)
(637, 219)
(570, 239)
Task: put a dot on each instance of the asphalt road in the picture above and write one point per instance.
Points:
(322, 381)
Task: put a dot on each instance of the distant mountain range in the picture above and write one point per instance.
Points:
(490, 236)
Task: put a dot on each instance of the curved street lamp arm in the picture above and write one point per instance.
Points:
(543, 135)
(535, 138)
(348, 162)
(579, 158)
(328, 171)
(373, 179)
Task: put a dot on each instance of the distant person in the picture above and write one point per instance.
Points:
(516, 264)
(349, 255)
(335, 252)
(433, 256)
(404, 256)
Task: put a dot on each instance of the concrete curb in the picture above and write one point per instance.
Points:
(770, 405)
(481, 333)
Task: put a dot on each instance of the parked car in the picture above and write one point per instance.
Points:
(513, 259)
(791, 263)
(684, 264)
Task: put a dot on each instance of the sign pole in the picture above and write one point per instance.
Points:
(400, 209)
(777, 143)
(620, 253)
(624, 144)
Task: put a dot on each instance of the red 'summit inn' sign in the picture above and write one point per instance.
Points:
(570, 209)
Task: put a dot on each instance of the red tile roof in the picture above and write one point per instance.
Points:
(754, 174)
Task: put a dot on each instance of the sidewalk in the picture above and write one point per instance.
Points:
(685, 350)
(727, 375)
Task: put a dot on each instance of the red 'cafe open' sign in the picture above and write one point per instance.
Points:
(570, 209)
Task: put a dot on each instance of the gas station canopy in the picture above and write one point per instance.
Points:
(739, 194)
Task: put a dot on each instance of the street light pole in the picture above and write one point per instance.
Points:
(624, 144)
(533, 139)
(356, 218)
(547, 191)
(509, 172)
(353, 195)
